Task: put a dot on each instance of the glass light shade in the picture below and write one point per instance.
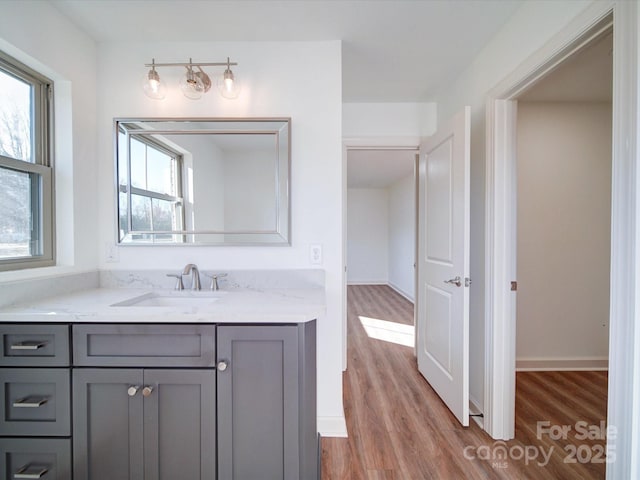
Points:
(206, 80)
(191, 85)
(151, 85)
(228, 85)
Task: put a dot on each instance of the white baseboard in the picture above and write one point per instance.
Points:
(561, 364)
(401, 292)
(474, 406)
(332, 427)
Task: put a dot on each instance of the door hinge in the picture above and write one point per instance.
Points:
(514, 286)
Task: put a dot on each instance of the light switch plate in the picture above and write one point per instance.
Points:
(315, 254)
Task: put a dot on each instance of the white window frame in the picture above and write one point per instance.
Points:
(42, 131)
(129, 189)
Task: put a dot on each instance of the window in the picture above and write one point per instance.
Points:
(156, 189)
(26, 174)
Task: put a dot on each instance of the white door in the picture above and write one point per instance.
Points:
(443, 264)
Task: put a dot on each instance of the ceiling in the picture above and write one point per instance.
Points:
(393, 50)
(586, 76)
(378, 168)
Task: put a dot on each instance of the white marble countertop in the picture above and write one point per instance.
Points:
(99, 305)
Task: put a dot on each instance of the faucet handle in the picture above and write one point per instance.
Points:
(214, 280)
(179, 285)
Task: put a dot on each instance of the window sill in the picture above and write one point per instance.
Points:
(41, 273)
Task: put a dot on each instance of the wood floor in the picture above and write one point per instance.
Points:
(399, 428)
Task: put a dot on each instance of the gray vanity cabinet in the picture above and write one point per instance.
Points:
(144, 424)
(135, 421)
(266, 402)
(159, 402)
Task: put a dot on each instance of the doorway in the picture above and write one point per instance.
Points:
(381, 218)
(501, 223)
(378, 172)
(563, 150)
(563, 249)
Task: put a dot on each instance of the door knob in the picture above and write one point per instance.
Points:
(222, 366)
(132, 390)
(146, 391)
(454, 281)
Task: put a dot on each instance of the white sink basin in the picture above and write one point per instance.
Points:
(172, 299)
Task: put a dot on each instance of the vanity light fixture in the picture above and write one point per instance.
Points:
(227, 84)
(151, 84)
(195, 81)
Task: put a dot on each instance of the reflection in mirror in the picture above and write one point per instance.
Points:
(203, 181)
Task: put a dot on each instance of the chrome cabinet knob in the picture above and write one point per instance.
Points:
(222, 365)
(146, 391)
(132, 390)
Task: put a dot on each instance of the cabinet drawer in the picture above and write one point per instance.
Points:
(47, 459)
(34, 345)
(144, 345)
(35, 401)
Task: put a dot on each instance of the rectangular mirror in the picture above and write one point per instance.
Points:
(186, 181)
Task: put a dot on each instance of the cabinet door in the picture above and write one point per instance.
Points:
(258, 403)
(180, 425)
(107, 424)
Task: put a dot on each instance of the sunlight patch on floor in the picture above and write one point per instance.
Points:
(398, 333)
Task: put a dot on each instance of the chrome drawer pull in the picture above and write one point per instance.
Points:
(28, 345)
(31, 471)
(30, 402)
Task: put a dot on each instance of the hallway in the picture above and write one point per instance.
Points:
(399, 428)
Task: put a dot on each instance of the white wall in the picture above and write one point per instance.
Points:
(525, 33)
(402, 236)
(270, 88)
(564, 229)
(367, 236)
(388, 119)
(39, 36)
(250, 196)
(207, 188)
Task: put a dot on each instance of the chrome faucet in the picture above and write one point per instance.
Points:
(214, 281)
(178, 277)
(192, 269)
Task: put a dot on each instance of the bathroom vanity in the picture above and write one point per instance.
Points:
(126, 384)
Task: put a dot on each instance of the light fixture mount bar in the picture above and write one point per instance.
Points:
(192, 64)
